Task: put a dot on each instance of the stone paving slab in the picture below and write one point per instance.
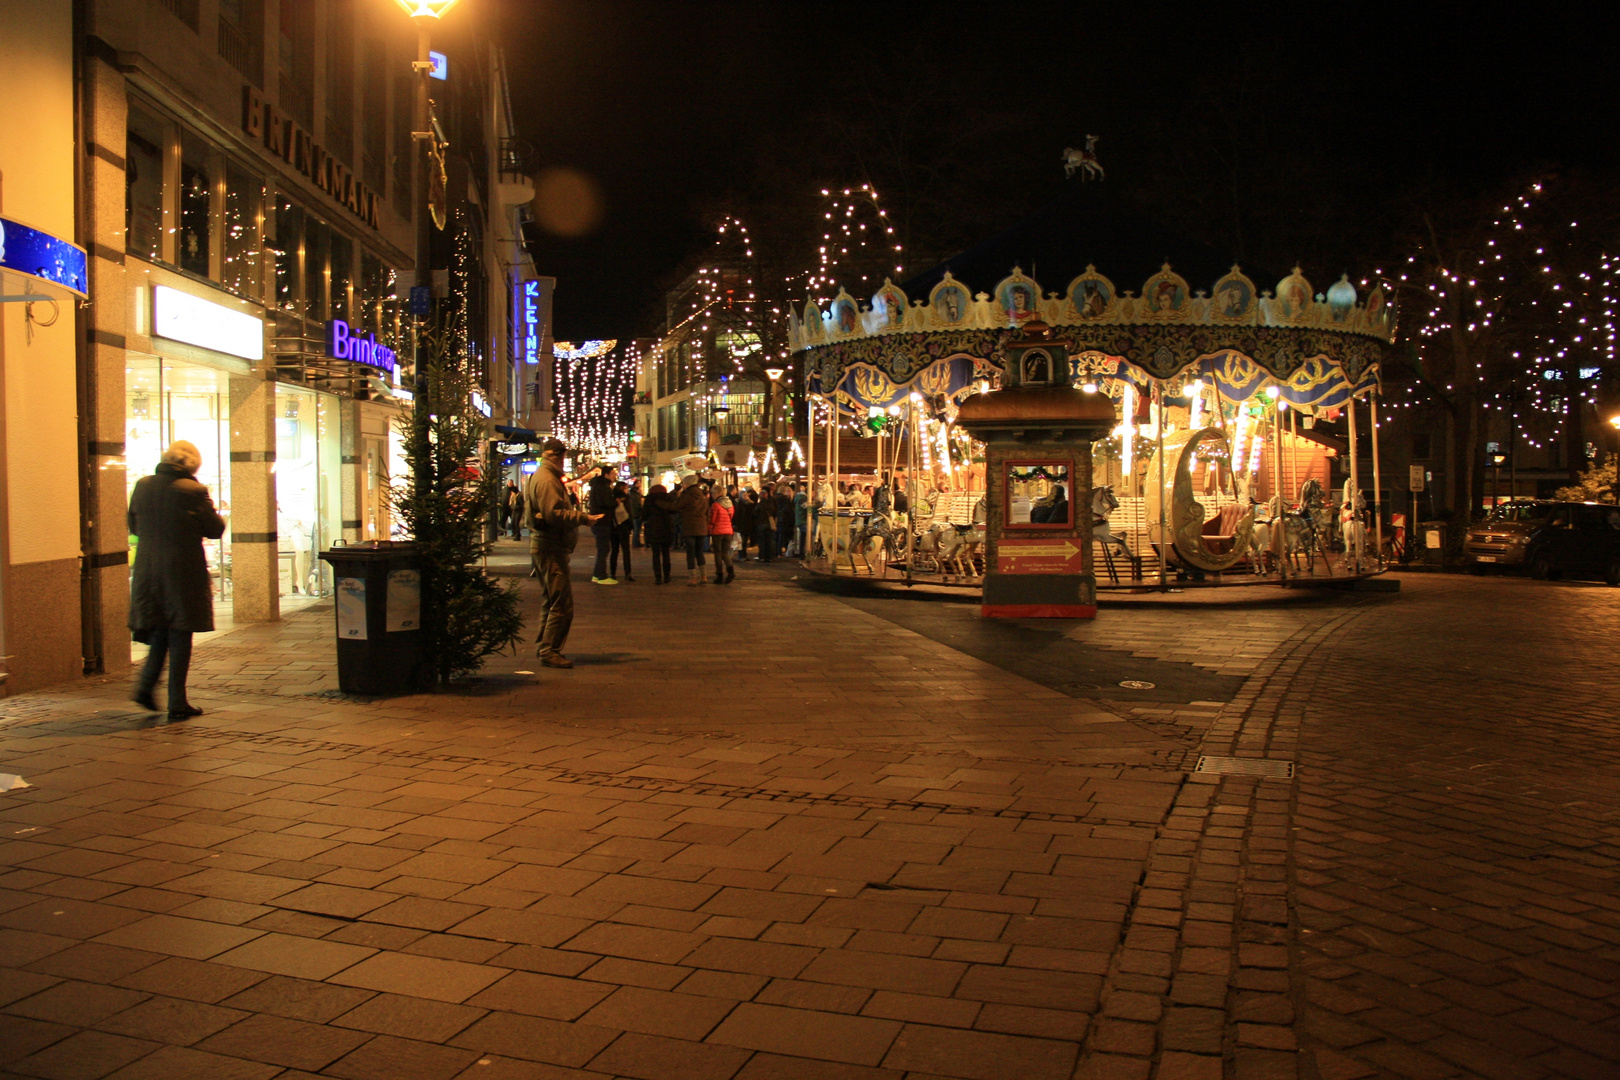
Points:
(761, 833)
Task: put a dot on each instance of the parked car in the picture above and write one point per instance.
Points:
(1553, 539)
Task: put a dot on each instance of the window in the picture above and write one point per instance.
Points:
(241, 37)
(342, 275)
(378, 305)
(288, 249)
(1038, 495)
(340, 79)
(244, 203)
(374, 131)
(317, 242)
(297, 80)
(185, 11)
(683, 417)
(404, 145)
(144, 143)
(196, 199)
(1421, 447)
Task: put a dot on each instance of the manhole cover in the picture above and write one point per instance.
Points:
(1136, 684)
(1242, 766)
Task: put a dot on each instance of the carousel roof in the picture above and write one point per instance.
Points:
(1088, 224)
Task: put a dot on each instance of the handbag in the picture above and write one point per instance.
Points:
(620, 514)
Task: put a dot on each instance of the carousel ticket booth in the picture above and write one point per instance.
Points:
(1037, 432)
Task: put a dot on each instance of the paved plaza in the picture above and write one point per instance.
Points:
(765, 833)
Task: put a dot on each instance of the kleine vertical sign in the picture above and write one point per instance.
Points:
(526, 317)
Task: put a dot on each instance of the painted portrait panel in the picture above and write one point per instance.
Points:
(1018, 301)
(950, 303)
(1091, 297)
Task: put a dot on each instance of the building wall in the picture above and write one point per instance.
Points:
(39, 474)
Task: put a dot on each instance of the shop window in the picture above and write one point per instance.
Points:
(195, 202)
(244, 203)
(683, 416)
(342, 249)
(144, 143)
(317, 245)
(289, 246)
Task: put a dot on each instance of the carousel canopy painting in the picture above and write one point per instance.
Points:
(1133, 304)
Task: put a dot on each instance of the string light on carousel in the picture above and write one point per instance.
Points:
(1201, 476)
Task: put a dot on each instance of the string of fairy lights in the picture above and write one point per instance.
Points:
(592, 390)
(1534, 305)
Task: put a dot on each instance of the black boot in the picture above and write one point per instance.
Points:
(730, 574)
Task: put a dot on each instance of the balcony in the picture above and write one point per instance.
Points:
(518, 162)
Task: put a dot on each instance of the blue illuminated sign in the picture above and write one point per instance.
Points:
(26, 250)
(526, 316)
(342, 343)
(441, 66)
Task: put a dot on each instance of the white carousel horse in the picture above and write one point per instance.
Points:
(1350, 526)
(1261, 555)
(1103, 503)
(1082, 161)
(942, 544)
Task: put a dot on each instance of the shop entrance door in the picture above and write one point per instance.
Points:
(165, 401)
(309, 493)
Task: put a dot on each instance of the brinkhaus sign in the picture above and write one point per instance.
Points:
(289, 142)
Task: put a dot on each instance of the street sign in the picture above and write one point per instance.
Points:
(421, 302)
(1039, 556)
(1416, 476)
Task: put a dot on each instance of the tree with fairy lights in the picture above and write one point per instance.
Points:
(1508, 307)
(733, 323)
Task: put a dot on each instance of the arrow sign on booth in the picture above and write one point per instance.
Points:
(1039, 556)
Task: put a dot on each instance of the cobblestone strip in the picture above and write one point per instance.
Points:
(1201, 988)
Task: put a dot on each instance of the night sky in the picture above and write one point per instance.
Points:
(1266, 131)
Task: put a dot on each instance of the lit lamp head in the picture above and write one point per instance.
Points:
(426, 9)
(775, 373)
(1273, 392)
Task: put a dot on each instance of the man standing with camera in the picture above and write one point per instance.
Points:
(556, 519)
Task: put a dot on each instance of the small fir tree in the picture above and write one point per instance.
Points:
(467, 615)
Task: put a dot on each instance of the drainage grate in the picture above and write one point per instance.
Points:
(1242, 766)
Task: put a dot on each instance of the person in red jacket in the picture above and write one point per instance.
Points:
(720, 538)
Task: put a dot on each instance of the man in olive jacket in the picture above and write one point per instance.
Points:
(555, 520)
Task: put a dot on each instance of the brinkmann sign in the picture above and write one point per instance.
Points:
(283, 137)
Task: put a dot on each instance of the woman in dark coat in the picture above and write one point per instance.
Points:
(171, 597)
(657, 509)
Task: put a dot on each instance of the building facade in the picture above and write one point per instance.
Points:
(243, 184)
(39, 340)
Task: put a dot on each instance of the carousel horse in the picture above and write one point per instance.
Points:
(1103, 503)
(877, 527)
(1351, 528)
(1261, 555)
(973, 538)
(1082, 161)
(1306, 528)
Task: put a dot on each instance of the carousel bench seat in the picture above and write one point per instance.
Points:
(1221, 530)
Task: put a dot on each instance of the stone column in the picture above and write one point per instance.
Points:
(255, 570)
(353, 483)
(101, 374)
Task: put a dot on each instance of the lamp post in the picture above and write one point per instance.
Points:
(424, 13)
(775, 375)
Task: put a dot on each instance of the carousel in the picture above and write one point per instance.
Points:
(1228, 396)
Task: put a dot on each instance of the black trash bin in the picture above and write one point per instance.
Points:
(379, 617)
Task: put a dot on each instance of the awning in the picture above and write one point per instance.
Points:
(518, 434)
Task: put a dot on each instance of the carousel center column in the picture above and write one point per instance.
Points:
(255, 572)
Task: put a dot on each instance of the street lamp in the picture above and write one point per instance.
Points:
(425, 13)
